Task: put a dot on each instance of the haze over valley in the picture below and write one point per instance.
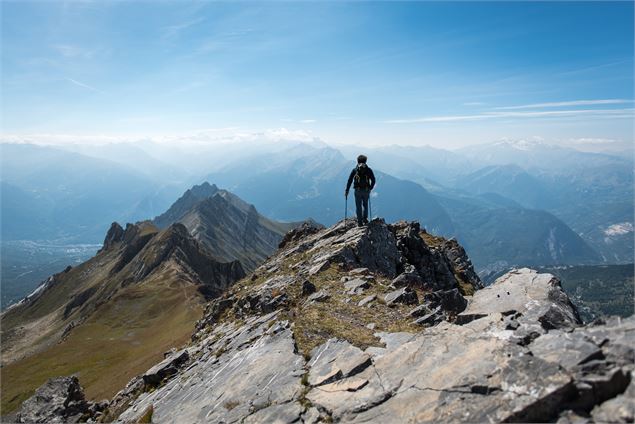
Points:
(560, 207)
(178, 242)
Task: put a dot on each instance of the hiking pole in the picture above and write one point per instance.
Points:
(345, 209)
(370, 207)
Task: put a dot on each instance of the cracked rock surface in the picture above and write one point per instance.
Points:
(248, 370)
(512, 352)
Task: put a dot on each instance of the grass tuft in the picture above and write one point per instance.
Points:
(147, 415)
(230, 404)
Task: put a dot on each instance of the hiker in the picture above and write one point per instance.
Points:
(364, 183)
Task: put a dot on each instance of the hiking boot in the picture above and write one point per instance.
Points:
(365, 221)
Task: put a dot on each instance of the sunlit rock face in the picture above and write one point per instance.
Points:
(386, 323)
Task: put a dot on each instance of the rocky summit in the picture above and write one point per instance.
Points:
(388, 324)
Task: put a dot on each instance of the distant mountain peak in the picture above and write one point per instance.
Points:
(113, 236)
(203, 190)
(185, 203)
(226, 225)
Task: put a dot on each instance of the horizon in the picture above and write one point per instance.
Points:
(281, 135)
(447, 75)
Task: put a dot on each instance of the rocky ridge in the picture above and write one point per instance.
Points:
(387, 323)
(85, 319)
(226, 225)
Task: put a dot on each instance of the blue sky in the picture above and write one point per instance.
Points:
(444, 74)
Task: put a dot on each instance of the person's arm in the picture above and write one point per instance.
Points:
(372, 179)
(350, 181)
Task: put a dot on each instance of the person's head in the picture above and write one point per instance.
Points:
(361, 159)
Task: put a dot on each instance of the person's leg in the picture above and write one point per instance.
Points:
(365, 195)
(358, 206)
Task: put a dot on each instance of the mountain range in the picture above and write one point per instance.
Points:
(553, 206)
(497, 232)
(137, 297)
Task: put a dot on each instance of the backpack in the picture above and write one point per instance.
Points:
(362, 176)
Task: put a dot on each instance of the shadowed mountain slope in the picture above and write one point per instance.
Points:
(123, 308)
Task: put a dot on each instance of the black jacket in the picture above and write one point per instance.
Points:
(369, 174)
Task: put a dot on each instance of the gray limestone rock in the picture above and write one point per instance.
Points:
(516, 353)
(438, 265)
(566, 349)
(356, 286)
(334, 360)
(213, 312)
(620, 409)
(263, 301)
(306, 229)
(571, 417)
(359, 271)
(419, 311)
(451, 364)
(408, 279)
(320, 296)
(372, 247)
(403, 295)
(311, 416)
(285, 413)
(367, 300)
(538, 298)
(449, 300)
(250, 376)
(166, 368)
(431, 318)
(59, 400)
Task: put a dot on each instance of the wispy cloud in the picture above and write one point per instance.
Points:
(226, 40)
(594, 67)
(83, 85)
(299, 121)
(606, 113)
(172, 31)
(187, 87)
(568, 104)
(73, 51)
(593, 141)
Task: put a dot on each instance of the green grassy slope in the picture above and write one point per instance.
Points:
(111, 317)
(125, 338)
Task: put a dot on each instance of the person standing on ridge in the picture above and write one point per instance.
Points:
(364, 183)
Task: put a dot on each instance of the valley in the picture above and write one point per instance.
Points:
(317, 212)
(506, 210)
(137, 297)
(26, 263)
